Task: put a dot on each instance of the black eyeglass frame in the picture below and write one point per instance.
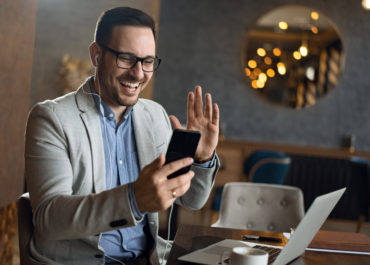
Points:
(138, 59)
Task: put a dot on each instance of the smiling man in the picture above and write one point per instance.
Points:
(129, 48)
(95, 164)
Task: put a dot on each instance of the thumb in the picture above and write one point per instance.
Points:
(175, 122)
(158, 162)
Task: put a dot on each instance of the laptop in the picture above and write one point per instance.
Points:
(298, 242)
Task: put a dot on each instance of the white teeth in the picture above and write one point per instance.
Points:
(131, 85)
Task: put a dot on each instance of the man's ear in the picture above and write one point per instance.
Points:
(94, 50)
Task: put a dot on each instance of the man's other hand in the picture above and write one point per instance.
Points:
(202, 119)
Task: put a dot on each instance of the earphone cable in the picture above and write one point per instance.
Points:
(168, 233)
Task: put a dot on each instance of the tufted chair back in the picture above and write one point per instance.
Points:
(259, 206)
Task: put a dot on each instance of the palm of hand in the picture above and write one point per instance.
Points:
(209, 137)
(203, 119)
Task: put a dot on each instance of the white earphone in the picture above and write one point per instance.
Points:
(96, 58)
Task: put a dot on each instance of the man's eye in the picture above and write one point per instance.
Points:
(126, 58)
(149, 61)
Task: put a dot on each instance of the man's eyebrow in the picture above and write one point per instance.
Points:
(133, 54)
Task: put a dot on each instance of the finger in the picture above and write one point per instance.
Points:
(180, 184)
(198, 104)
(172, 167)
(175, 122)
(157, 163)
(216, 115)
(190, 110)
(208, 108)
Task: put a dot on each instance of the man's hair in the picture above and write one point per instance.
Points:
(121, 16)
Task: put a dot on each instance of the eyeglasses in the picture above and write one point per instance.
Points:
(127, 60)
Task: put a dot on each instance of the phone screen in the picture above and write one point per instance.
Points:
(183, 144)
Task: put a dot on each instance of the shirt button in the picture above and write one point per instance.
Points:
(121, 162)
(111, 115)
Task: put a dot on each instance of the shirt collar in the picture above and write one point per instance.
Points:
(108, 113)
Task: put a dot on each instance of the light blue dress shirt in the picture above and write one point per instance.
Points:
(122, 167)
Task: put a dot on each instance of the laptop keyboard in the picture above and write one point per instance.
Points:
(273, 252)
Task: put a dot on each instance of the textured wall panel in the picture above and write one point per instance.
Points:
(201, 42)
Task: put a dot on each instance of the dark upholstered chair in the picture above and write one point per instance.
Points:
(264, 166)
(359, 189)
(25, 230)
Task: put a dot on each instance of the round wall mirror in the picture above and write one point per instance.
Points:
(293, 56)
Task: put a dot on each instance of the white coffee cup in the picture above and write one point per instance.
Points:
(245, 256)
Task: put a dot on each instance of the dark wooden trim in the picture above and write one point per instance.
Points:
(249, 146)
(17, 31)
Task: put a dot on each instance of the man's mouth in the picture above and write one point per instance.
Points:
(130, 87)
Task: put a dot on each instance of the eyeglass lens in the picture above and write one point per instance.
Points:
(128, 61)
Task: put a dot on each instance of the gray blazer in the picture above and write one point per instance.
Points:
(65, 174)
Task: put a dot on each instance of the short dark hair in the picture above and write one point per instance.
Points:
(121, 16)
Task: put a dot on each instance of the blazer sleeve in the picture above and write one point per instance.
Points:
(61, 193)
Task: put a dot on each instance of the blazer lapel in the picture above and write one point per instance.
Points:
(143, 134)
(90, 118)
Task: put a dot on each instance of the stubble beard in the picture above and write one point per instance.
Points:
(113, 96)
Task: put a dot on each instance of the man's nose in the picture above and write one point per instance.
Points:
(137, 70)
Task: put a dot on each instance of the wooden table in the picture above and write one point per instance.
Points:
(191, 237)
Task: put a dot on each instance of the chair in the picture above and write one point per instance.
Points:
(25, 230)
(264, 166)
(216, 203)
(359, 189)
(259, 206)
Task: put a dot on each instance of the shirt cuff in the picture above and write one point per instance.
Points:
(207, 164)
(139, 215)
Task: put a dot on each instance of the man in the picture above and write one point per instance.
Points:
(94, 158)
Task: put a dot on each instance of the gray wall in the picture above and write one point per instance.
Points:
(67, 26)
(201, 42)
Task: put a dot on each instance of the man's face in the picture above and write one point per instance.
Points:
(121, 87)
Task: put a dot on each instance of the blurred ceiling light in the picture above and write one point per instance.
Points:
(257, 71)
(262, 77)
(314, 30)
(261, 52)
(270, 72)
(283, 25)
(315, 15)
(310, 73)
(254, 84)
(366, 4)
(281, 68)
(267, 60)
(297, 55)
(303, 50)
(276, 52)
(260, 84)
(247, 71)
(252, 63)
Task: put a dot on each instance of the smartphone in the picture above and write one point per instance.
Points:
(183, 144)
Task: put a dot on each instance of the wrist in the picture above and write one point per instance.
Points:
(201, 160)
